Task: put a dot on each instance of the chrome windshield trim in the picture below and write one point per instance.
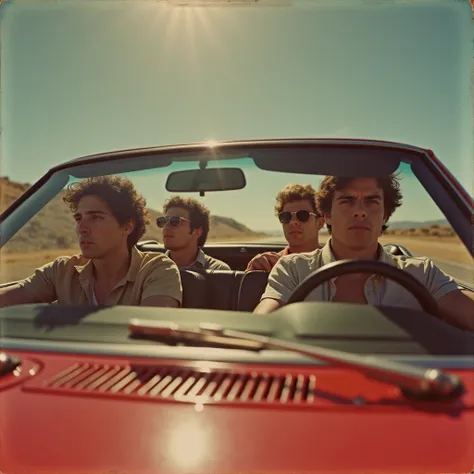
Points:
(154, 351)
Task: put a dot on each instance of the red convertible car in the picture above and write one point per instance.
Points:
(211, 387)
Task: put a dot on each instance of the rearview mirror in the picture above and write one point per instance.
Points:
(212, 179)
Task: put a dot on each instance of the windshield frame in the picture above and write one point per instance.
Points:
(447, 193)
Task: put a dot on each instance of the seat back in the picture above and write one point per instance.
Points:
(211, 289)
(222, 289)
(195, 289)
(251, 288)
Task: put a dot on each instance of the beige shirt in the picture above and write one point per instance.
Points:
(290, 270)
(69, 280)
(204, 261)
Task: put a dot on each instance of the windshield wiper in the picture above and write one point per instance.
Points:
(414, 381)
(164, 330)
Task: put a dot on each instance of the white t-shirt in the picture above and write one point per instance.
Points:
(292, 269)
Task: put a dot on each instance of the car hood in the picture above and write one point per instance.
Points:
(74, 414)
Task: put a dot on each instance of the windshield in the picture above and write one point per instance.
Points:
(92, 77)
(243, 216)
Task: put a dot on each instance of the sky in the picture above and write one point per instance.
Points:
(87, 77)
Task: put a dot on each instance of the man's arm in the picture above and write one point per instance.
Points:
(162, 287)
(267, 305)
(15, 295)
(282, 281)
(158, 300)
(38, 288)
(457, 307)
(263, 261)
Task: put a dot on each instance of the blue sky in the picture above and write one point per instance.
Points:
(87, 77)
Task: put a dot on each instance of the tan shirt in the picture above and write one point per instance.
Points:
(69, 280)
(292, 269)
(205, 261)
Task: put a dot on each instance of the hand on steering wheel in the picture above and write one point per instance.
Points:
(344, 267)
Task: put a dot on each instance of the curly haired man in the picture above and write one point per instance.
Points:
(356, 212)
(110, 219)
(295, 208)
(185, 225)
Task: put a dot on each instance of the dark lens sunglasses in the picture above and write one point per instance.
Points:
(302, 216)
(174, 221)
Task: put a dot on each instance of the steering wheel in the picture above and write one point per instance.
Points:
(344, 267)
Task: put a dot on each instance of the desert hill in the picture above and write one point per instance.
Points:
(53, 226)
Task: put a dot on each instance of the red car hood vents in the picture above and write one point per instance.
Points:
(180, 384)
(217, 384)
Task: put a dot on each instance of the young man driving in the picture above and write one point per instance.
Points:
(356, 212)
(110, 219)
(185, 227)
(296, 210)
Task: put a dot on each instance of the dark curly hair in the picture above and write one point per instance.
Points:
(121, 196)
(390, 185)
(198, 214)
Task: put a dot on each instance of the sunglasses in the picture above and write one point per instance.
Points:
(302, 216)
(173, 221)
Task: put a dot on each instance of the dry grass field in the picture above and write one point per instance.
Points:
(435, 241)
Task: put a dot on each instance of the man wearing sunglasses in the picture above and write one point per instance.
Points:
(185, 225)
(296, 210)
(356, 212)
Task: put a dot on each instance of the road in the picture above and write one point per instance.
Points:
(461, 272)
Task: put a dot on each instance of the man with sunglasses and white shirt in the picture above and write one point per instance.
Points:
(296, 209)
(356, 212)
(185, 225)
